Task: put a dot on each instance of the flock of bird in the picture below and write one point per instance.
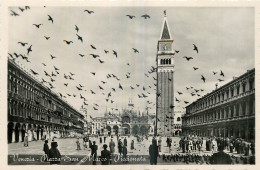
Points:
(48, 78)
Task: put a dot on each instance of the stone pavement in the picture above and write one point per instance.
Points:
(67, 148)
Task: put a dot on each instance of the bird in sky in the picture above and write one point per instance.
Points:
(68, 42)
(130, 16)
(35, 73)
(92, 92)
(188, 58)
(56, 68)
(195, 68)
(95, 108)
(135, 50)
(76, 28)
(203, 78)
(106, 51)
(81, 55)
(66, 84)
(120, 86)
(72, 74)
(50, 18)
(145, 16)
(214, 73)
(115, 53)
(177, 100)
(195, 48)
(101, 61)
(80, 85)
(37, 25)
(93, 73)
(14, 13)
(101, 88)
(220, 80)
(196, 90)
(47, 38)
(52, 57)
(27, 7)
(88, 11)
(80, 38)
(93, 47)
(94, 55)
(221, 73)
(180, 93)
(29, 49)
(22, 43)
(79, 88)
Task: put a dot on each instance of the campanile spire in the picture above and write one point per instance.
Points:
(165, 82)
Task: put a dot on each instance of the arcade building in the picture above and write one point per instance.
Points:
(228, 111)
(34, 110)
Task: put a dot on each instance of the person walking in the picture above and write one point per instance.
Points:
(153, 153)
(100, 139)
(94, 149)
(112, 146)
(132, 144)
(46, 149)
(26, 140)
(105, 156)
(124, 154)
(125, 142)
(78, 144)
(160, 144)
(120, 146)
(54, 154)
(170, 144)
(105, 139)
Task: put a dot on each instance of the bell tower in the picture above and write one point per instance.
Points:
(165, 82)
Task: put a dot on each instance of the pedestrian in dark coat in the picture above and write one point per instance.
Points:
(124, 154)
(125, 141)
(54, 154)
(105, 156)
(46, 149)
(153, 152)
(221, 157)
(100, 139)
(120, 146)
(105, 139)
(132, 144)
(94, 149)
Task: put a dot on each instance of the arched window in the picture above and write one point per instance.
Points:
(178, 119)
(166, 61)
(161, 61)
(169, 61)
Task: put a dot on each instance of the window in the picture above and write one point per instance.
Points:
(232, 92)
(178, 119)
(237, 90)
(244, 87)
(251, 83)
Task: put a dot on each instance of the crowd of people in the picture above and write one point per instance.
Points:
(195, 149)
(213, 144)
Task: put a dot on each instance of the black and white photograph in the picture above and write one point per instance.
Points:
(130, 85)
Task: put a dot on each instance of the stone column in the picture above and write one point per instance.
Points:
(247, 108)
(240, 109)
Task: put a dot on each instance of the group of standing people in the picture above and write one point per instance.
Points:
(188, 144)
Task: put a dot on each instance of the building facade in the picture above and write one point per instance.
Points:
(165, 82)
(228, 111)
(126, 122)
(35, 111)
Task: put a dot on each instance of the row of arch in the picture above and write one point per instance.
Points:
(165, 61)
(16, 131)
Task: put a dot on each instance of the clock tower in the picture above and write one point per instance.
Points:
(165, 82)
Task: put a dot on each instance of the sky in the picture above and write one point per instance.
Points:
(224, 37)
